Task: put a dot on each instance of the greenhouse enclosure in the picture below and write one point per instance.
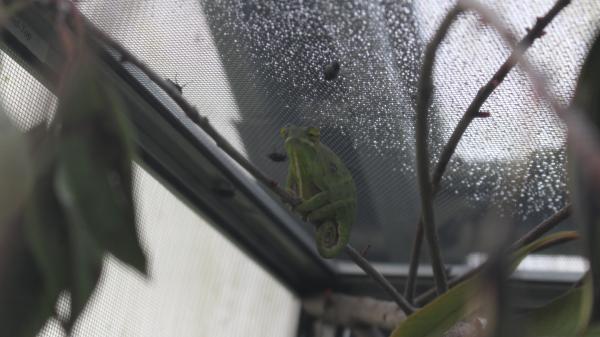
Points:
(301, 168)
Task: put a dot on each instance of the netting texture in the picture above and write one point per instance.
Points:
(255, 66)
(200, 284)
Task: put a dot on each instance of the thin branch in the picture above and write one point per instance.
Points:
(377, 276)
(350, 311)
(484, 92)
(203, 123)
(471, 113)
(411, 281)
(534, 234)
(357, 312)
(543, 227)
(425, 92)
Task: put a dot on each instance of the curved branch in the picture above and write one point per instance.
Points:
(379, 278)
(425, 92)
(482, 95)
(346, 310)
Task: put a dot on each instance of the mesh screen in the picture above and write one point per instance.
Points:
(200, 283)
(254, 66)
(24, 99)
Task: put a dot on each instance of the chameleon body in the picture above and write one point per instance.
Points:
(328, 193)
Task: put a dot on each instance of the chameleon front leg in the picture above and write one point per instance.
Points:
(290, 184)
(317, 201)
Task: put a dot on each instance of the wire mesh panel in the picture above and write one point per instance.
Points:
(254, 66)
(24, 99)
(199, 283)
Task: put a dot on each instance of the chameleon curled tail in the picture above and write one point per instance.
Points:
(330, 242)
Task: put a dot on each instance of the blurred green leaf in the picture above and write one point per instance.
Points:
(15, 169)
(22, 308)
(441, 314)
(458, 303)
(93, 181)
(541, 244)
(94, 154)
(45, 223)
(587, 98)
(85, 257)
(592, 331)
(79, 170)
(566, 316)
(583, 181)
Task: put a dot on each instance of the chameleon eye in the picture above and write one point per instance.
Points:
(313, 133)
(283, 132)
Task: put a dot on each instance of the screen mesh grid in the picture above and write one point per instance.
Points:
(254, 66)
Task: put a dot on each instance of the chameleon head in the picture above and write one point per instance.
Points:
(298, 137)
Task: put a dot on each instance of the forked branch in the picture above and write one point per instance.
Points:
(472, 111)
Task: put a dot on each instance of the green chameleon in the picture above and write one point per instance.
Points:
(324, 185)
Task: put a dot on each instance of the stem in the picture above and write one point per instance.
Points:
(377, 276)
(425, 92)
(409, 291)
(543, 227)
(534, 234)
(350, 311)
(484, 92)
(482, 95)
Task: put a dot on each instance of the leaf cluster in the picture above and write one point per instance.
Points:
(66, 202)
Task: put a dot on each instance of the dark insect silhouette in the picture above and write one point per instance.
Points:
(175, 85)
(331, 70)
(277, 156)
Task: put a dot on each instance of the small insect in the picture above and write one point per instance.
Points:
(483, 114)
(175, 85)
(277, 156)
(331, 70)
(364, 252)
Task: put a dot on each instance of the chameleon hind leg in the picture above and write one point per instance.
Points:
(329, 211)
(331, 236)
